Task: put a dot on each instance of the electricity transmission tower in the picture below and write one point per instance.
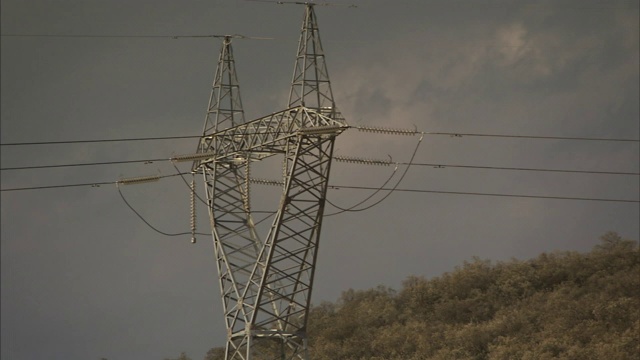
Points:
(266, 279)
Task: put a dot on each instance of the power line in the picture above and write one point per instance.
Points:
(149, 224)
(237, 36)
(89, 36)
(532, 137)
(394, 131)
(387, 162)
(383, 130)
(434, 165)
(363, 200)
(442, 166)
(353, 207)
(338, 187)
(35, 167)
(64, 142)
(106, 36)
(92, 184)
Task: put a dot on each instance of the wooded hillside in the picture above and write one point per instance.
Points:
(565, 305)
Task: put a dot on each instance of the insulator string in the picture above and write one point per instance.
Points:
(192, 199)
(364, 161)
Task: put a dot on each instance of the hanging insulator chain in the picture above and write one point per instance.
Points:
(247, 179)
(193, 211)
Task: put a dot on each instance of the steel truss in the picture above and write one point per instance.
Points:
(266, 283)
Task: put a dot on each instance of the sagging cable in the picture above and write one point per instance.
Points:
(406, 170)
(351, 208)
(145, 221)
(178, 173)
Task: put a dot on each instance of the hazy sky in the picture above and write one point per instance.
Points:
(84, 278)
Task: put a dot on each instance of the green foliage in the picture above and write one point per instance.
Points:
(557, 306)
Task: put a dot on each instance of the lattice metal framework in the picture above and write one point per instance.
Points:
(266, 282)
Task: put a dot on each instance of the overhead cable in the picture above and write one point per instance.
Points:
(531, 137)
(149, 224)
(443, 166)
(406, 170)
(396, 131)
(91, 184)
(34, 167)
(351, 208)
(205, 36)
(374, 129)
(338, 187)
(63, 142)
(339, 158)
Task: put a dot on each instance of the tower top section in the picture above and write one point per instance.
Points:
(310, 86)
(225, 106)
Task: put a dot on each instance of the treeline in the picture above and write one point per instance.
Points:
(565, 305)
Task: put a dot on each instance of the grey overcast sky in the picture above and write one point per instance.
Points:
(84, 278)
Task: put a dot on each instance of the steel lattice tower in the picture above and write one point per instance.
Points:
(266, 280)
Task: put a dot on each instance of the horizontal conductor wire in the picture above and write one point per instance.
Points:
(409, 132)
(371, 129)
(444, 166)
(64, 142)
(34, 167)
(338, 158)
(106, 36)
(531, 137)
(337, 187)
(92, 184)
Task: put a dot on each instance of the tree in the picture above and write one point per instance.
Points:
(566, 305)
(216, 353)
(561, 305)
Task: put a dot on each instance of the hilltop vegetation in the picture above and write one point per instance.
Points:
(565, 305)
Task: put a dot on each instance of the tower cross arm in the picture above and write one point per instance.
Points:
(266, 136)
